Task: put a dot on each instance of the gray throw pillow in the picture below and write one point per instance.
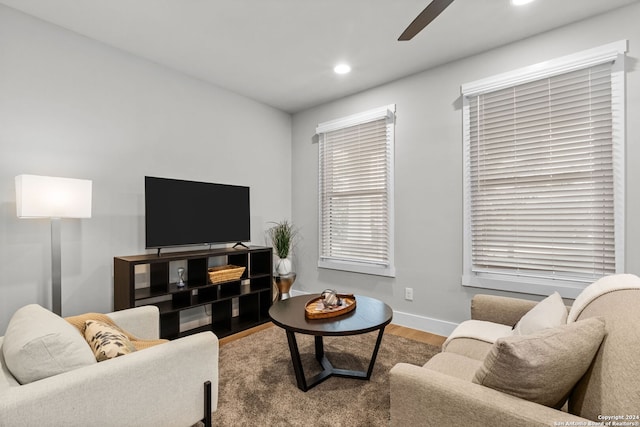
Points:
(39, 344)
(545, 366)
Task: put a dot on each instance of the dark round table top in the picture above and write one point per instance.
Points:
(369, 315)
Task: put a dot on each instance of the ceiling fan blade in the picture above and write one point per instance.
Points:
(430, 13)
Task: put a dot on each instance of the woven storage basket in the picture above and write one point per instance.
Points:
(225, 273)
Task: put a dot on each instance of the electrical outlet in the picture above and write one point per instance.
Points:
(408, 294)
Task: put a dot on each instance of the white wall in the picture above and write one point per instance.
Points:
(428, 191)
(72, 107)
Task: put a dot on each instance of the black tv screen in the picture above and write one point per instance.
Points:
(180, 213)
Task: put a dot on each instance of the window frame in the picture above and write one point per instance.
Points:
(612, 52)
(388, 113)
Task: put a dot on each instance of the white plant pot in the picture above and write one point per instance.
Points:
(283, 267)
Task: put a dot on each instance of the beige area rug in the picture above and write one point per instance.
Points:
(257, 385)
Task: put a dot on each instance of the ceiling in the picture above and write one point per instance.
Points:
(282, 52)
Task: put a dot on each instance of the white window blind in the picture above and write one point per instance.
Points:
(541, 178)
(356, 198)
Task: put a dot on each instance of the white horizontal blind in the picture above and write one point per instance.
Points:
(541, 174)
(355, 191)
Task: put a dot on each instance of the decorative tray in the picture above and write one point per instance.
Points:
(314, 309)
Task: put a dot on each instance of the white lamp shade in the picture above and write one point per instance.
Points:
(51, 197)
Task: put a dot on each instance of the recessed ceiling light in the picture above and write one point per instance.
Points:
(520, 2)
(342, 69)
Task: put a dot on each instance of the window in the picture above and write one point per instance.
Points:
(356, 192)
(544, 178)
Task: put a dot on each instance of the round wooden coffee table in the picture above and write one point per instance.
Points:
(369, 315)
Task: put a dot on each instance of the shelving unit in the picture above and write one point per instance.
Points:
(252, 294)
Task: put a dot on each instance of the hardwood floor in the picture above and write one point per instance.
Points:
(414, 334)
(242, 334)
(401, 331)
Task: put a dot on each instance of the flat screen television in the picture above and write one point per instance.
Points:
(181, 213)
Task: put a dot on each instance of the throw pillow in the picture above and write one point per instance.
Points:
(39, 344)
(545, 366)
(548, 313)
(106, 341)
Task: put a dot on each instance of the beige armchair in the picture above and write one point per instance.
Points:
(442, 393)
(159, 386)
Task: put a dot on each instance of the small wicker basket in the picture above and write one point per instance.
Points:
(225, 273)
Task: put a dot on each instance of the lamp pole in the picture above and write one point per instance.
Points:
(56, 267)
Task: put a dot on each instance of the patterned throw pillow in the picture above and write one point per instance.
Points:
(106, 341)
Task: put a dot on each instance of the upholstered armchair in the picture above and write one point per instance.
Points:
(452, 388)
(159, 386)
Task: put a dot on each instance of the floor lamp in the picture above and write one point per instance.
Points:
(54, 198)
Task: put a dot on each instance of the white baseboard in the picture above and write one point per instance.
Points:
(414, 321)
(423, 323)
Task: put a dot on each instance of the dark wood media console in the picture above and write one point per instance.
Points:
(252, 294)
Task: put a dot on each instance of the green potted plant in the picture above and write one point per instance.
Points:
(282, 236)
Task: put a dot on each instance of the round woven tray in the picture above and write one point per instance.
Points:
(314, 309)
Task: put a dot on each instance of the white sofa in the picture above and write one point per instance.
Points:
(159, 386)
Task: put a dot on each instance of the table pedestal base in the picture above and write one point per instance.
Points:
(284, 284)
(328, 369)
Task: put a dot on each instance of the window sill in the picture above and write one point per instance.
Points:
(358, 268)
(525, 285)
